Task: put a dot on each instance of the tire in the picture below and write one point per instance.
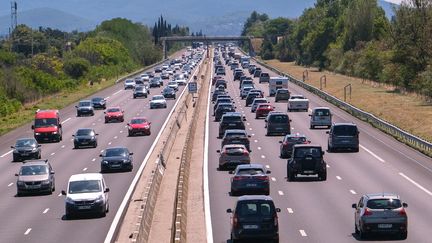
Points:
(129, 134)
(76, 146)
(233, 193)
(323, 176)
(329, 148)
(68, 216)
(355, 229)
(362, 235)
(15, 159)
(312, 127)
(95, 145)
(403, 235)
(356, 150)
(39, 156)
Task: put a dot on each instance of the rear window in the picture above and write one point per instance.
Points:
(278, 118)
(264, 75)
(282, 91)
(254, 208)
(234, 150)
(322, 112)
(384, 203)
(231, 118)
(250, 171)
(296, 139)
(302, 152)
(345, 130)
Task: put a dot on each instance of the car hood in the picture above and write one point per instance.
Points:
(85, 108)
(158, 101)
(114, 158)
(114, 113)
(46, 129)
(84, 196)
(83, 137)
(26, 178)
(25, 148)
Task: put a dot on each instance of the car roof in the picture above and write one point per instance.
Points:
(85, 101)
(344, 124)
(86, 176)
(321, 108)
(139, 117)
(113, 107)
(232, 114)
(234, 146)
(235, 131)
(386, 195)
(254, 165)
(256, 99)
(23, 139)
(254, 197)
(272, 113)
(295, 135)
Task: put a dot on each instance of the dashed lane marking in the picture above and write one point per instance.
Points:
(263, 157)
(27, 231)
(3, 155)
(52, 154)
(303, 233)
(59, 194)
(10, 184)
(94, 159)
(256, 141)
(338, 177)
(353, 192)
(328, 166)
(85, 169)
(281, 193)
(63, 122)
(371, 153)
(290, 210)
(273, 179)
(115, 137)
(109, 143)
(268, 166)
(63, 146)
(45, 211)
(117, 92)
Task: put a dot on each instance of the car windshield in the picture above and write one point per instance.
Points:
(251, 209)
(172, 83)
(345, 130)
(97, 99)
(113, 110)
(303, 152)
(384, 203)
(296, 97)
(88, 186)
(138, 121)
(129, 81)
(282, 91)
(29, 170)
(46, 122)
(250, 171)
(278, 118)
(256, 101)
(139, 88)
(85, 132)
(253, 95)
(322, 112)
(25, 143)
(235, 134)
(158, 98)
(85, 103)
(115, 152)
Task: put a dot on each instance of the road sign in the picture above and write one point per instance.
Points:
(193, 87)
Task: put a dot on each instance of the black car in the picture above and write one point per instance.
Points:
(277, 123)
(251, 96)
(220, 101)
(26, 148)
(238, 74)
(216, 93)
(155, 82)
(231, 120)
(254, 217)
(250, 179)
(116, 158)
(221, 82)
(169, 92)
(307, 159)
(99, 103)
(158, 69)
(223, 108)
(282, 94)
(85, 137)
(236, 136)
(343, 136)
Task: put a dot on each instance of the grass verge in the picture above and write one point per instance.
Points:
(407, 111)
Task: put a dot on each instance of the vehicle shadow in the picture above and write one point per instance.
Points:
(377, 237)
(305, 179)
(81, 217)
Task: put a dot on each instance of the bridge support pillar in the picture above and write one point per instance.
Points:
(251, 50)
(164, 47)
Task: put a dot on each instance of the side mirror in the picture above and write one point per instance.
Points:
(249, 136)
(327, 132)
(97, 134)
(244, 118)
(268, 171)
(63, 193)
(12, 147)
(16, 174)
(322, 152)
(405, 205)
(100, 155)
(278, 210)
(128, 124)
(280, 141)
(39, 145)
(218, 151)
(130, 153)
(107, 189)
(354, 205)
(32, 127)
(229, 210)
(73, 135)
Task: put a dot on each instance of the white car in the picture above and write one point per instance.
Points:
(173, 84)
(129, 84)
(170, 71)
(145, 77)
(298, 102)
(181, 82)
(86, 193)
(158, 101)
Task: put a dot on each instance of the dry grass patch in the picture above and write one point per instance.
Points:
(407, 111)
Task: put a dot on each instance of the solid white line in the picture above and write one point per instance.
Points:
(338, 177)
(107, 97)
(3, 155)
(85, 169)
(303, 233)
(290, 210)
(415, 183)
(353, 192)
(116, 220)
(27, 231)
(10, 184)
(371, 153)
(281, 193)
(207, 213)
(117, 92)
(273, 179)
(45, 211)
(63, 122)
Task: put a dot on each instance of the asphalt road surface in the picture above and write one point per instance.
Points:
(316, 211)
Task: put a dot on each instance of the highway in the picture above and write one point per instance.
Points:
(40, 218)
(316, 211)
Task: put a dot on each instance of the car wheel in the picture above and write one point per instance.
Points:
(233, 193)
(68, 216)
(355, 229)
(329, 148)
(362, 235)
(15, 158)
(323, 176)
(130, 134)
(122, 120)
(311, 127)
(103, 213)
(39, 156)
(95, 145)
(356, 150)
(404, 235)
(76, 146)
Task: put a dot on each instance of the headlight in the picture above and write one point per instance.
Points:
(99, 199)
(126, 161)
(45, 182)
(105, 162)
(146, 126)
(69, 200)
(54, 132)
(34, 149)
(37, 133)
(20, 183)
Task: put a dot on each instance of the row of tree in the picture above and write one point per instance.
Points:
(354, 37)
(37, 63)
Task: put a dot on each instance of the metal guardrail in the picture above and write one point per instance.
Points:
(401, 135)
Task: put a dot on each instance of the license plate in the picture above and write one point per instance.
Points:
(250, 226)
(309, 171)
(279, 128)
(33, 186)
(84, 207)
(116, 165)
(84, 143)
(235, 141)
(345, 141)
(251, 184)
(24, 154)
(231, 125)
(385, 226)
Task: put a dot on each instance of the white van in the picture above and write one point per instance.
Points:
(276, 83)
(86, 193)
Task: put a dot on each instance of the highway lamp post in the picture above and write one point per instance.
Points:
(323, 79)
(345, 91)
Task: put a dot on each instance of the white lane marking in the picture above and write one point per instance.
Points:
(121, 131)
(94, 159)
(328, 166)
(281, 193)
(263, 157)
(63, 122)
(107, 97)
(27, 231)
(253, 134)
(99, 119)
(63, 146)
(109, 143)
(353, 192)
(117, 92)
(273, 179)
(59, 194)
(248, 124)
(72, 139)
(415, 183)
(10, 184)
(115, 137)
(256, 141)
(292, 128)
(128, 194)
(259, 148)
(45, 211)
(268, 166)
(52, 153)
(303, 233)
(242, 111)
(250, 128)
(102, 151)
(85, 169)
(338, 177)
(3, 155)
(290, 210)
(371, 153)
(94, 124)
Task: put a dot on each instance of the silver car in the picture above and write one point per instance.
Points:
(380, 213)
(158, 101)
(35, 177)
(256, 102)
(320, 116)
(232, 155)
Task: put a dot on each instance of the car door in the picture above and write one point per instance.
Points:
(105, 193)
(358, 211)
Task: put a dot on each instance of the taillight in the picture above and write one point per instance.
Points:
(367, 212)
(237, 178)
(285, 143)
(245, 152)
(235, 220)
(402, 212)
(263, 178)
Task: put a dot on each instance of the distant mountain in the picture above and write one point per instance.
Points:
(48, 17)
(222, 17)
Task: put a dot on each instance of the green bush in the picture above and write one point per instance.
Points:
(76, 67)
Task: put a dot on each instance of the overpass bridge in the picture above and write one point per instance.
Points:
(207, 40)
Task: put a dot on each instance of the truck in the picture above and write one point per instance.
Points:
(276, 83)
(298, 102)
(47, 126)
(245, 61)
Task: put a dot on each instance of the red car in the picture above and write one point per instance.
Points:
(114, 114)
(288, 143)
(263, 109)
(139, 125)
(215, 78)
